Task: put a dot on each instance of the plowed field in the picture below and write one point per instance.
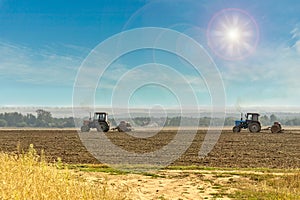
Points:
(232, 149)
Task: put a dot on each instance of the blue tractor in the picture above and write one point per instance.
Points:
(252, 123)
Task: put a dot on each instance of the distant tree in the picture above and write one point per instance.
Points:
(3, 123)
(293, 122)
(44, 115)
(21, 124)
(13, 118)
(68, 122)
(289, 122)
(30, 119)
(44, 118)
(142, 121)
(204, 121)
(265, 120)
(273, 118)
(229, 121)
(175, 121)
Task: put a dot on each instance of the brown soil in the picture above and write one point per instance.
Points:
(246, 150)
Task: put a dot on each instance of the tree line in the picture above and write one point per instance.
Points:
(206, 121)
(41, 119)
(44, 118)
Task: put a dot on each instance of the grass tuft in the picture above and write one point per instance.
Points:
(29, 176)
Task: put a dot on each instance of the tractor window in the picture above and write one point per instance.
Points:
(255, 118)
(102, 117)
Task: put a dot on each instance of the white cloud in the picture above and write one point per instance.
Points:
(296, 32)
(271, 77)
(295, 39)
(297, 46)
(23, 64)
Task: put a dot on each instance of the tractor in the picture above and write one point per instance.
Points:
(252, 123)
(100, 122)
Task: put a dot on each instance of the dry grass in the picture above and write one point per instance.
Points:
(29, 176)
(283, 187)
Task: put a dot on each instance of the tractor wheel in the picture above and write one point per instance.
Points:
(85, 128)
(275, 128)
(102, 127)
(236, 129)
(254, 127)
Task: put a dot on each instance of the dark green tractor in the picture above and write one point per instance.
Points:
(100, 122)
(252, 123)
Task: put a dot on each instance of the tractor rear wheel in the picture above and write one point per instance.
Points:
(102, 127)
(236, 129)
(85, 128)
(254, 127)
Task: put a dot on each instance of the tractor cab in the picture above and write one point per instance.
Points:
(251, 122)
(252, 117)
(100, 116)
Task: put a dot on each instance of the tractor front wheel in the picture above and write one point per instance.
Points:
(254, 127)
(236, 129)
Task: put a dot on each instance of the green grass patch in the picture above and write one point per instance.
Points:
(110, 170)
(97, 168)
(191, 167)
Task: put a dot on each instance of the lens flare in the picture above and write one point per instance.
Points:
(232, 34)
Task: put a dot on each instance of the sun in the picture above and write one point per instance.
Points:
(232, 34)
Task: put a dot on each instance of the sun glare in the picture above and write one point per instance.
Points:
(232, 34)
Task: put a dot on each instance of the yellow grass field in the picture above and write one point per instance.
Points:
(29, 176)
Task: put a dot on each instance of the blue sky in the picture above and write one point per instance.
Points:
(44, 43)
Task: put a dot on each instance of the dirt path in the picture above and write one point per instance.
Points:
(168, 185)
(179, 184)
